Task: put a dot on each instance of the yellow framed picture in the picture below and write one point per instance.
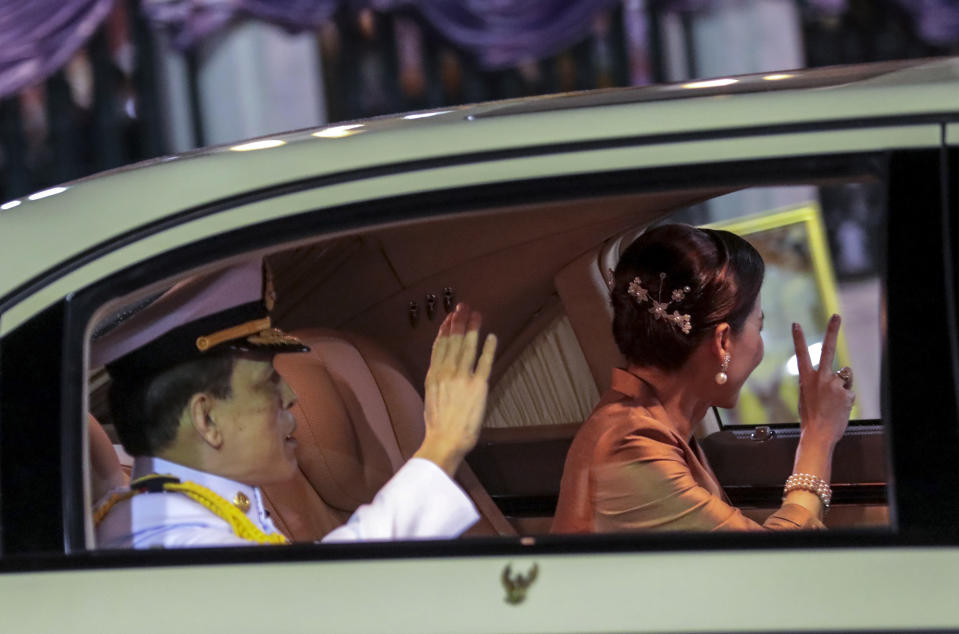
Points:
(799, 286)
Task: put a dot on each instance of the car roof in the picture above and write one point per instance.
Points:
(48, 228)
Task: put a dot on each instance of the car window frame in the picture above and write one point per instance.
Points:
(472, 200)
(80, 306)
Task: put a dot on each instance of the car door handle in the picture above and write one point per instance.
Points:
(763, 433)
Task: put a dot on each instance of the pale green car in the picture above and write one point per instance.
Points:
(846, 179)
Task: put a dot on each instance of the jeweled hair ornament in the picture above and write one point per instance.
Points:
(660, 309)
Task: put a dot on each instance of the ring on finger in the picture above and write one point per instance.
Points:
(845, 373)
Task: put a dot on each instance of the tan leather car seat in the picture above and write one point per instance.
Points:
(359, 418)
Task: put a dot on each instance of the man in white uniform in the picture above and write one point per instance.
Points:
(197, 402)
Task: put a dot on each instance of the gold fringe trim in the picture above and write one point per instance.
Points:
(241, 525)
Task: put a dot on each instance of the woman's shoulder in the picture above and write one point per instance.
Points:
(624, 425)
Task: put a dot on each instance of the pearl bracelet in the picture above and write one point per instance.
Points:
(811, 483)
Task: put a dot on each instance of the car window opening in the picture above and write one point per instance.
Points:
(368, 306)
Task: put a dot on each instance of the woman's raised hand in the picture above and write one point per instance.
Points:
(825, 397)
(455, 397)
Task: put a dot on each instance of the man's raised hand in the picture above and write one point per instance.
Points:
(456, 388)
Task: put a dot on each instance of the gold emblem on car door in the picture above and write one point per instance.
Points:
(517, 585)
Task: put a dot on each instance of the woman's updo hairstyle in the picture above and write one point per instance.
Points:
(723, 274)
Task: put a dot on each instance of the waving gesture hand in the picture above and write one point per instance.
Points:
(455, 398)
(825, 397)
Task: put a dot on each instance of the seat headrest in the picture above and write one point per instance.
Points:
(582, 287)
(612, 250)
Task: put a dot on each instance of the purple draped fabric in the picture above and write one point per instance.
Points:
(937, 21)
(190, 21)
(37, 37)
(503, 33)
(829, 7)
(500, 33)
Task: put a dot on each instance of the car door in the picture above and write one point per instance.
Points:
(635, 582)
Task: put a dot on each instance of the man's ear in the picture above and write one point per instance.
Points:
(199, 408)
(722, 341)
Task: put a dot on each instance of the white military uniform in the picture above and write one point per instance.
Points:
(419, 502)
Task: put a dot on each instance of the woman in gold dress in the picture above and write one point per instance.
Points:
(688, 321)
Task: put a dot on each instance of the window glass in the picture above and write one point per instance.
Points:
(821, 248)
(369, 304)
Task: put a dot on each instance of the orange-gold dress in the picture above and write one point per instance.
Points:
(629, 470)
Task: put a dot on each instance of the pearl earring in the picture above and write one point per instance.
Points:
(721, 376)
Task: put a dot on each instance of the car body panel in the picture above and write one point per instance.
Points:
(952, 134)
(93, 209)
(66, 251)
(691, 591)
(72, 227)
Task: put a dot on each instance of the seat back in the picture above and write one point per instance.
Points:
(359, 419)
(583, 288)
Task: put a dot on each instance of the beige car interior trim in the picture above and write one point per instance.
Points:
(553, 366)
